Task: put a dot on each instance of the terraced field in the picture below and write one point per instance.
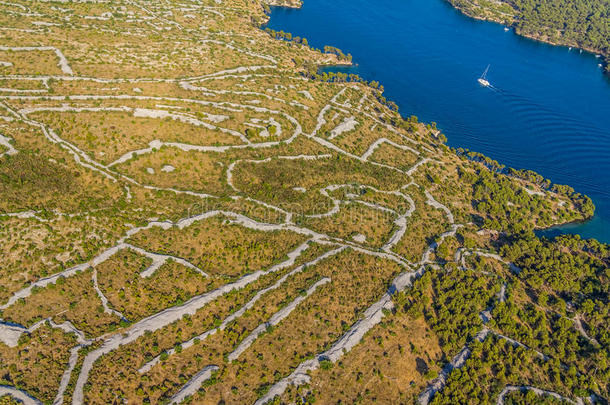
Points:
(189, 214)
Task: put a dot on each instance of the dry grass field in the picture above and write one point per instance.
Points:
(189, 213)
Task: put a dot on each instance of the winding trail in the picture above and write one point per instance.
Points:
(458, 361)
(166, 317)
(237, 314)
(274, 320)
(578, 325)
(193, 384)
(401, 223)
(371, 317)
(155, 20)
(540, 392)
(18, 395)
(62, 63)
(11, 332)
(6, 142)
(181, 224)
(369, 152)
(103, 298)
(65, 378)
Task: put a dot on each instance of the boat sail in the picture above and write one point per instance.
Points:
(483, 79)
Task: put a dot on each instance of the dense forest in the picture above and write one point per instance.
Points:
(243, 227)
(585, 23)
(580, 23)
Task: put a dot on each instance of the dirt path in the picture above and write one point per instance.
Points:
(537, 391)
(19, 395)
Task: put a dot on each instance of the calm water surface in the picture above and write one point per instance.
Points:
(549, 111)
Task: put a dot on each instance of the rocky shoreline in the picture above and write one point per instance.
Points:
(604, 59)
(285, 3)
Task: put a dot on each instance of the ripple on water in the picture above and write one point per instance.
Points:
(548, 111)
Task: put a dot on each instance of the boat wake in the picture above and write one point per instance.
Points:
(563, 140)
(485, 83)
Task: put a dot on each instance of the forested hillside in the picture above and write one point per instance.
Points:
(580, 23)
(190, 213)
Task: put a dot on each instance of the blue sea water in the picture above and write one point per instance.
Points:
(549, 110)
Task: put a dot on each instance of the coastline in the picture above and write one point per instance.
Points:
(239, 228)
(333, 60)
(337, 65)
(285, 3)
(575, 222)
(604, 58)
(322, 66)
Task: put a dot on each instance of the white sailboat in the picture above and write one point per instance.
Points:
(483, 79)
